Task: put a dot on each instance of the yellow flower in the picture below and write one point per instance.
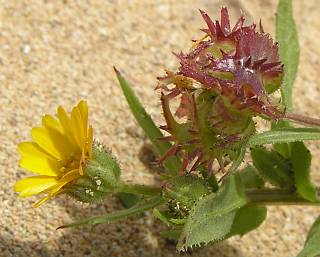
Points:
(59, 151)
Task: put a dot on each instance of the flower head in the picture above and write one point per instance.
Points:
(240, 64)
(225, 80)
(58, 154)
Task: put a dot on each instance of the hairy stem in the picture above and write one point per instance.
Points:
(278, 197)
(139, 189)
(302, 119)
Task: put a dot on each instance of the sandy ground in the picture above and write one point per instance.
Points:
(57, 52)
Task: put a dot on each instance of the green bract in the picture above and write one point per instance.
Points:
(102, 177)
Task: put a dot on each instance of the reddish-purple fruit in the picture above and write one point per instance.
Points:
(223, 82)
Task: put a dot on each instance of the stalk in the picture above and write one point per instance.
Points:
(278, 197)
(302, 119)
(139, 189)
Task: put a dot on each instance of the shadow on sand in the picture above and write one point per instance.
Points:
(135, 237)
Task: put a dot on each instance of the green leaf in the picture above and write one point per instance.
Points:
(312, 245)
(248, 218)
(147, 124)
(127, 199)
(250, 178)
(163, 216)
(272, 167)
(301, 162)
(300, 159)
(187, 190)
(119, 215)
(285, 135)
(166, 217)
(282, 148)
(287, 37)
(212, 216)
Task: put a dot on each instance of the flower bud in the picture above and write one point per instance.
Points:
(101, 177)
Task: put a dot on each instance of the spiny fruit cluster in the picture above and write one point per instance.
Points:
(225, 80)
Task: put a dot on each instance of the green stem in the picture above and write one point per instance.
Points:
(139, 189)
(278, 197)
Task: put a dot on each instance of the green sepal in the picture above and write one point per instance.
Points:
(272, 83)
(219, 47)
(101, 177)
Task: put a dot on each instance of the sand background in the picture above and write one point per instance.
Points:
(57, 52)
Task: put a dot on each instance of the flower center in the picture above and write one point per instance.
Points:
(71, 164)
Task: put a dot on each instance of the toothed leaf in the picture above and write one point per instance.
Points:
(212, 217)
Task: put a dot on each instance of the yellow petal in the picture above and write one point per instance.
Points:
(42, 201)
(32, 149)
(58, 188)
(53, 142)
(49, 122)
(90, 142)
(64, 119)
(83, 107)
(70, 176)
(42, 166)
(77, 127)
(34, 185)
(46, 198)
(66, 125)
